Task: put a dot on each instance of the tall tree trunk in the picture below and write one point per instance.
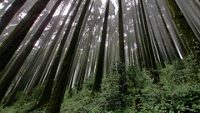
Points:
(9, 14)
(82, 72)
(11, 43)
(184, 50)
(122, 68)
(9, 46)
(184, 28)
(148, 43)
(51, 74)
(100, 62)
(160, 56)
(60, 85)
(121, 33)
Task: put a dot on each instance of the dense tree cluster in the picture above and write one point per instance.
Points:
(57, 44)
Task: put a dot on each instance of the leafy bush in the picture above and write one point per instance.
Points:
(85, 101)
(23, 103)
(177, 92)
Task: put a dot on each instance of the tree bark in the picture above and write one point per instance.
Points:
(11, 43)
(152, 67)
(188, 35)
(51, 74)
(122, 68)
(8, 47)
(46, 93)
(60, 84)
(100, 62)
(9, 14)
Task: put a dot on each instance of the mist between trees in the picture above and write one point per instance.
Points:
(55, 46)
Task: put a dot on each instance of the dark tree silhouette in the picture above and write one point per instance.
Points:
(58, 50)
(60, 85)
(12, 42)
(100, 62)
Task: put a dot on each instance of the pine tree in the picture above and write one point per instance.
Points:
(12, 42)
(60, 85)
(9, 14)
(100, 62)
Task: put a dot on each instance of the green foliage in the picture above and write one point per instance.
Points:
(81, 102)
(177, 92)
(114, 99)
(87, 101)
(23, 103)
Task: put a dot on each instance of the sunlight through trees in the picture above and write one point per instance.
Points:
(58, 44)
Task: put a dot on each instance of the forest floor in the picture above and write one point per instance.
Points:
(177, 92)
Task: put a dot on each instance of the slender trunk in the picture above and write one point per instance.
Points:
(9, 14)
(155, 42)
(9, 46)
(44, 57)
(184, 50)
(184, 28)
(84, 62)
(82, 72)
(60, 85)
(100, 62)
(143, 32)
(153, 66)
(121, 33)
(11, 43)
(122, 68)
(48, 86)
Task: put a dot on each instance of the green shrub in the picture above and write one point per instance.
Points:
(177, 92)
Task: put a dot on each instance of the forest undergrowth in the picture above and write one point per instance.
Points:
(177, 92)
